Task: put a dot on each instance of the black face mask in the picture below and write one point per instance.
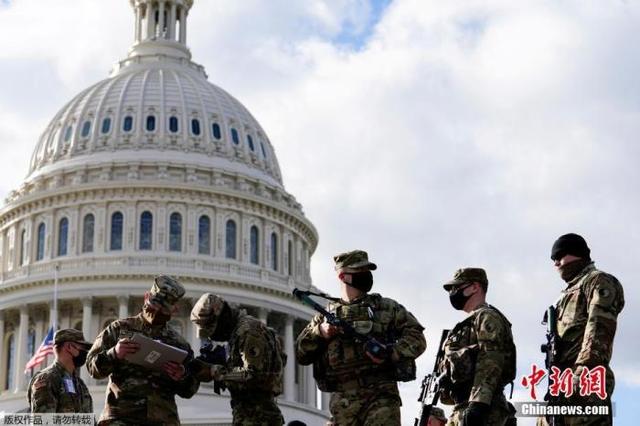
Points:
(79, 360)
(155, 316)
(362, 280)
(224, 326)
(458, 299)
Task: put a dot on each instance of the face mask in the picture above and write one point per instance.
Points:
(79, 360)
(155, 316)
(224, 325)
(458, 299)
(571, 270)
(362, 280)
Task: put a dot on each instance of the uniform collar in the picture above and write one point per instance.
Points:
(589, 268)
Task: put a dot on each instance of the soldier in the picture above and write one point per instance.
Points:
(59, 388)
(253, 371)
(480, 356)
(437, 417)
(135, 395)
(587, 312)
(364, 388)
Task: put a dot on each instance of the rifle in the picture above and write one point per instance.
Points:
(550, 350)
(372, 346)
(430, 390)
(216, 355)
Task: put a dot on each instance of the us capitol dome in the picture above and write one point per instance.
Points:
(153, 170)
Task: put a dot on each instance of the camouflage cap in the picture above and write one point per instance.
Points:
(467, 275)
(438, 413)
(206, 312)
(356, 259)
(70, 335)
(166, 291)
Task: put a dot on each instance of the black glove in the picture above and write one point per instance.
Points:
(475, 414)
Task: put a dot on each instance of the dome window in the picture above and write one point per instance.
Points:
(68, 133)
(234, 136)
(63, 234)
(40, 245)
(175, 232)
(106, 125)
(204, 235)
(151, 123)
(250, 142)
(195, 127)
(146, 230)
(116, 231)
(230, 240)
(254, 239)
(274, 251)
(88, 229)
(264, 151)
(173, 125)
(215, 130)
(86, 129)
(127, 126)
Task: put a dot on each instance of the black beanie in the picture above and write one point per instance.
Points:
(572, 244)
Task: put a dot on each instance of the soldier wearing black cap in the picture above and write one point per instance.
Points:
(59, 388)
(364, 388)
(587, 312)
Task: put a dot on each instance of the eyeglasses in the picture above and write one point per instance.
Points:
(461, 287)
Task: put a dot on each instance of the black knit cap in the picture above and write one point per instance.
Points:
(572, 244)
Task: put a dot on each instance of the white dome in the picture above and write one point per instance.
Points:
(152, 107)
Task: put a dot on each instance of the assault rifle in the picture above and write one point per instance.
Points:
(550, 350)
(215, 355)
(372, 346)
(430, 390)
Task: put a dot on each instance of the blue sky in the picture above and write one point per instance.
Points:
(432, 134)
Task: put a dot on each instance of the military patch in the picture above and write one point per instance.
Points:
(40, 382)
(604, 293)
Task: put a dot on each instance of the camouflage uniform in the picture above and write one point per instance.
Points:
(587, 314)
(479, 359)
(135, 395)
(253, 371)
(54, 389)
(363, 393)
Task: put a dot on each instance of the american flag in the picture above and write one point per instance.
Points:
(46, 348)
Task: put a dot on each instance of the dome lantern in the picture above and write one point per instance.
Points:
(161, 27)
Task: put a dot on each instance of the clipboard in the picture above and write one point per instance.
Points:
(153, 354)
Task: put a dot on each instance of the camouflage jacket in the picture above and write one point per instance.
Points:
(54, 390)
(587, 312)
(479, 358)
(256, 359)
(341, 363)
(134, 393)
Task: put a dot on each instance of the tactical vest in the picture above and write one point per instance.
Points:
(344, 364)
(461, 354)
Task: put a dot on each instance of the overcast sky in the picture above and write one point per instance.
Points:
(433, 134)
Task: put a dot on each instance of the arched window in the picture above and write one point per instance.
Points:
(215, 130)
(250, 142)
(195, 127)
(254, 244)
(68, 133)
(204, 235)
(175, 232)
(173, 125)
(127, 125)
(117, 222)
(290, 252)
(86, 129)
(146, 230)
(106, 126)
(23, 252)
(63, 236)
(234, 136)
(88, 229)
(264, 151)
(274, 251)
(230, 239)
(11, 361)
(40, 245)
(31, 343)
(151, 123)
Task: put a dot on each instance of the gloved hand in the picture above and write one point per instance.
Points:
(475, 414)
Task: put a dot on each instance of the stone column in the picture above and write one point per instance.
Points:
(3, 361)
(263, 315)
(183, 25)
(172, 22)
(21, 349)
(138, 24)
(87, 315)
(161, 20)
(151, 21)
(326, 397)
(310, 385)
(123, 306)
(289, 372)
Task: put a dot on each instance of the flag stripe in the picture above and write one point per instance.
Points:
(45, 349)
